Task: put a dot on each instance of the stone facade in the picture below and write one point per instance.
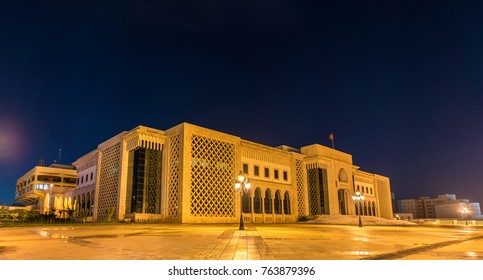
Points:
(47, 188)
(186, 174)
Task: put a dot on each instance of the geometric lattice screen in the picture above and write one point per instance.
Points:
(109, 180)
(300, 188)
(317, 189)
(314, 191)
(173, 176)
(212, 178)
(153, 170)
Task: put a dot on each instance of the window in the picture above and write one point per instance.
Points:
(268, 202)
(70, 180)
(246, 203)
(285, 176)
(82, 180)
(267, 172)
(92, 175)
(87, 177)
(257, 201)
(275, 173)
(256, 170)
(277, 203)
(245, 168)
(286, 204)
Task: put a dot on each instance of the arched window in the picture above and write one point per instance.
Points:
(343, 175)
(83, 202)
(286, 204)
(278, 203)
(268, 202)
(246, 202)
(92, 202)
(374, 208)
(88, 203)
(257, 201)
(47, 204)
(365, 208)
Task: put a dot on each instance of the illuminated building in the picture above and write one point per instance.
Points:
(46, 188)
(186, 174)
(443, 206)
(83, 195)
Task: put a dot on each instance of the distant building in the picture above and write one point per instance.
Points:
(394, 202)
(84, 194)
(44, 188)
(444, 206)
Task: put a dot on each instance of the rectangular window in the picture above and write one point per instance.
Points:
(44, 178)
(256, 170)
(275, 174)
(92, 175)
(285, 176)
(69, 180)
(267, 172)
(245, 168)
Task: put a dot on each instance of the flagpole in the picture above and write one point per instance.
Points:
(331, 138)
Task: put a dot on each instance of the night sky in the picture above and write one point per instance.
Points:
(399, 83)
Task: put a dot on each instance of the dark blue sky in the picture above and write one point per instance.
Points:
(398, 82)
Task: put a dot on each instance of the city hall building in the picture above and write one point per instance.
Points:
(187, 174)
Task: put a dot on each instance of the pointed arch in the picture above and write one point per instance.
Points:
(277, 203)
(47, 204)
(343, 175)
(286, 204)
(246, 202)
(257, 201)
(267, 205)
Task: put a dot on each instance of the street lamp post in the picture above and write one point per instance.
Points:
(242, 184)
(464, 212)
(358, 198)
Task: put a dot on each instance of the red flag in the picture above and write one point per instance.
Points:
(331, 136)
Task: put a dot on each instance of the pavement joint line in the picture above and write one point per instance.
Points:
(418, 250)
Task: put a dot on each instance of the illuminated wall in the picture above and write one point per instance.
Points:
(186, 174)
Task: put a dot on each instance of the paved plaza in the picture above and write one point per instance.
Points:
(226, 242)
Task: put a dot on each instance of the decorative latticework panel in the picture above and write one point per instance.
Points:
(312, 182)
(317, 190)
(109, 181)
(212, 178)
(300, 188)
(153, 181)
(173, 181)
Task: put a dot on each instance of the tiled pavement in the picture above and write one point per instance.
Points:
(226, 242)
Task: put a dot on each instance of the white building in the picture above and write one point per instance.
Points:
(443, 206)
